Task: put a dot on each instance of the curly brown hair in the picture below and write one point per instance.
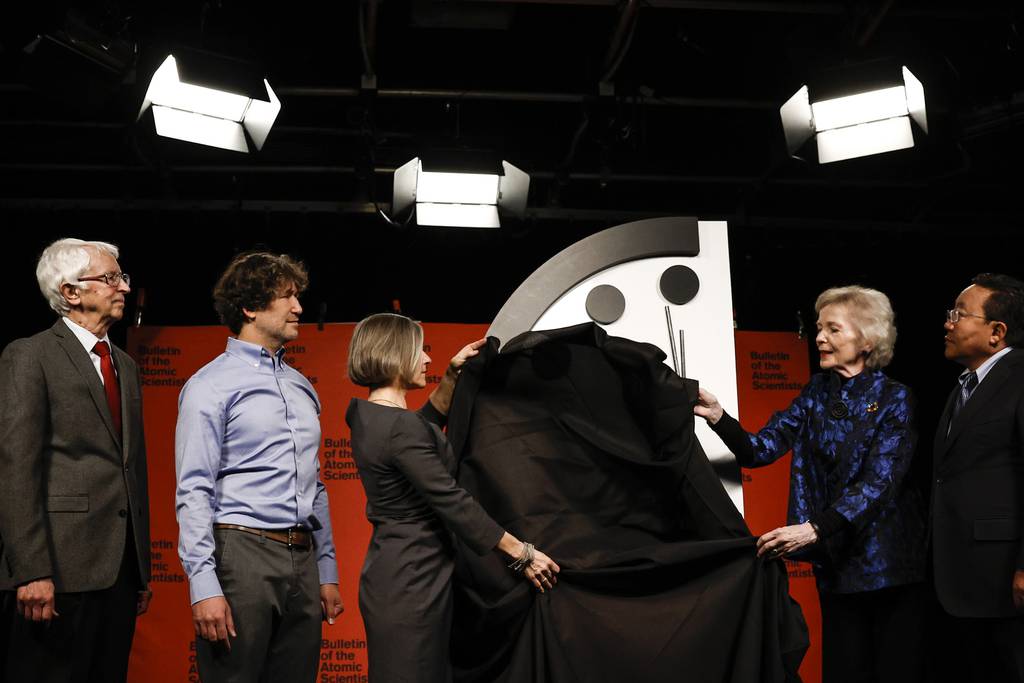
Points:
(251, 281)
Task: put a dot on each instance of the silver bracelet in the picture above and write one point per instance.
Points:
(524, 559)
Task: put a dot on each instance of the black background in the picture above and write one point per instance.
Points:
(691, 128)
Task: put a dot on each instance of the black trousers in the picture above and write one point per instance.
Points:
(274, 595)
(88, 643)
(969, 650)
(874, 637)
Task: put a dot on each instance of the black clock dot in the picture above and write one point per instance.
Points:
(679, 284)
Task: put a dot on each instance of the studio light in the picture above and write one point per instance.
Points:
(211, 100)
(856, 112)
(470, 199)
(83, 62)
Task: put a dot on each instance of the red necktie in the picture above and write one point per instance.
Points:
(110, 386)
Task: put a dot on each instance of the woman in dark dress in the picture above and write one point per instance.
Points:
(414, 504)
(853, 512)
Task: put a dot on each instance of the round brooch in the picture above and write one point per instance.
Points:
(838, 410)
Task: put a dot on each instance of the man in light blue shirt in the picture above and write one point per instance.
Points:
(255, 529)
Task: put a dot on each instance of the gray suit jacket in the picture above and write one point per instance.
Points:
(68, 481)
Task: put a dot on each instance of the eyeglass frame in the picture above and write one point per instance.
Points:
(106, 278)
(953, 316)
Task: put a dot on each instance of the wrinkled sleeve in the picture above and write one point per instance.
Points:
(323, 538)
(415, 455)
(1020, 459)
(773, 441)
(24, 421)
(886, 464)
(197, 454)
(430, 413)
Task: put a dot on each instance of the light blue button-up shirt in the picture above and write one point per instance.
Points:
(245, 452)
(984, 368)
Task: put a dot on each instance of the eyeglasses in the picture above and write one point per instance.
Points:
(954, 315)
(110, 279)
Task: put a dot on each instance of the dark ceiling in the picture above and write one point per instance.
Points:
(617, 109)
(612, 107)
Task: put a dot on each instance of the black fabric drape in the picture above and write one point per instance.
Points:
(583, 444)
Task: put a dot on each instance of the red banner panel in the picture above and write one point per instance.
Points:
(167, 357)
(771, 367)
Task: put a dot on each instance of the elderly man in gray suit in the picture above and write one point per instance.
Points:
(74, 511)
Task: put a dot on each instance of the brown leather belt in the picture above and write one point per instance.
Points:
(296, 537)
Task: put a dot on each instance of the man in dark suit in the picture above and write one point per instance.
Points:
(977, 520)
(74, 513)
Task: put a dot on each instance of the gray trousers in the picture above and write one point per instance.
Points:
(274, 595)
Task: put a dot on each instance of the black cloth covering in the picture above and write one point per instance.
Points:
(583, 444)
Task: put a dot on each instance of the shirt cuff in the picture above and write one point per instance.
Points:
(204, 585)
(328, 568)
(735, 438)
(829, 523)
(432, 414)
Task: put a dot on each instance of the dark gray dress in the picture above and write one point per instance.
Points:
(413, 502)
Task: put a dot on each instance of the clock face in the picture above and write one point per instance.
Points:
(664, 282)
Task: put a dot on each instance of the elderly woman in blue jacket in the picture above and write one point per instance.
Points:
(853, 512)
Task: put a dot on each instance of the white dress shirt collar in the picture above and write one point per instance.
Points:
(88, 340)
(987, 366)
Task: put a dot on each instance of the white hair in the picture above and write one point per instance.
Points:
(871, 313)
(63, 262)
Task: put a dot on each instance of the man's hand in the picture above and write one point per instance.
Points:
(212, 619)
(330, 602)
(1018, 589)
(36, 600)
(143, 603)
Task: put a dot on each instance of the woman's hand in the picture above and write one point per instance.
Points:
(786, 539)
(708, 407)
(542, 571)
(441, 396)
(465, 353)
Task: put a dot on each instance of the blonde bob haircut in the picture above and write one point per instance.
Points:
(872, 313)
(385, 347)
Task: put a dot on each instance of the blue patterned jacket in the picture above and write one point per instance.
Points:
(852, 444)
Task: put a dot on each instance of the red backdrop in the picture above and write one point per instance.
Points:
(168, 356)
(771, 368)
